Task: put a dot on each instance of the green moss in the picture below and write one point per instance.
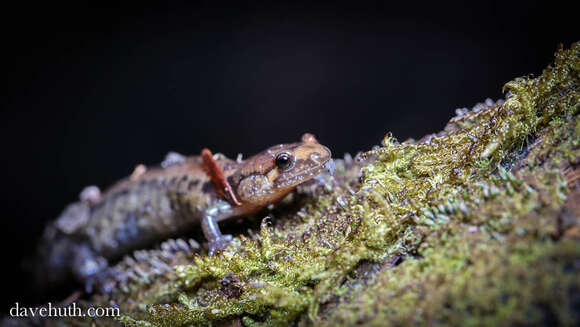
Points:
(472, 280)
(489, 256)
(458, 228)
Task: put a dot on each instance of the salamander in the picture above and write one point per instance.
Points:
(182, 194)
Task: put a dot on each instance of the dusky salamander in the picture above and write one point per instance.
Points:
(154, 204)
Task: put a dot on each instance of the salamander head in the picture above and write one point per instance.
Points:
(268, 176)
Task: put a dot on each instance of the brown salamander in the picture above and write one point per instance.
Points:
(158, 203)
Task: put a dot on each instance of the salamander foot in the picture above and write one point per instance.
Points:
(219, 244)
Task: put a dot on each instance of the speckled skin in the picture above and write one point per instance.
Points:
(155, 204)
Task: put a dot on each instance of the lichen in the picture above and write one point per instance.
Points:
(463, 227)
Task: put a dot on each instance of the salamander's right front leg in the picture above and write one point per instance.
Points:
(216, 240)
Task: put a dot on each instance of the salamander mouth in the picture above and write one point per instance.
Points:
(328, 166)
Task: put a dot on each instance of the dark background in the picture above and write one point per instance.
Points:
(89, 92)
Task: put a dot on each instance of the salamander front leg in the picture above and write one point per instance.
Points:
(211, 230)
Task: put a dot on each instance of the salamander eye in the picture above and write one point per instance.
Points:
(284, 161)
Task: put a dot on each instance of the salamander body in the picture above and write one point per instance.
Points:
(159, 203)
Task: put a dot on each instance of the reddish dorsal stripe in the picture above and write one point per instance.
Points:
(217, 176)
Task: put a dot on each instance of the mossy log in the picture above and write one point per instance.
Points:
(476, 225)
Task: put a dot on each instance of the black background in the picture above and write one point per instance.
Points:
(89, 91)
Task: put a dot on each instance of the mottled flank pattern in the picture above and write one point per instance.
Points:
(476, 225)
